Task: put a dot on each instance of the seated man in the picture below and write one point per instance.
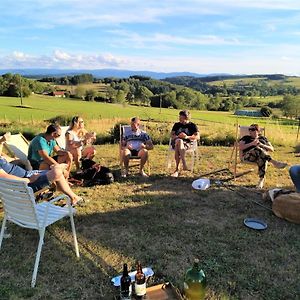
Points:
(41, 148)
(37, 180)
(254, 148)
(183, 134)
(135, 143)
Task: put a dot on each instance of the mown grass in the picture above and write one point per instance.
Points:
(165, 224)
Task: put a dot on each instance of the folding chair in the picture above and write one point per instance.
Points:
(236, 155)
(20, 208)
(124, 129)
(192, 151)
(61, 141)
(17, 145)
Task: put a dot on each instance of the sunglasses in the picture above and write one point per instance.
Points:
(252, 129)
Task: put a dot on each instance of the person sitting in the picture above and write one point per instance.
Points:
(79, 141)
(135, 142)
(15, 160)
(183, 134)
(39, 179)
(254, 148)
(41, 148)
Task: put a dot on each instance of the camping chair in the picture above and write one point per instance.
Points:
(61, 141)
(17, 146)
(193, 152)
(236, 155)
(123, 130)
(20, 208)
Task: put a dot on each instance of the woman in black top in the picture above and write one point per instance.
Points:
(254, 148)
(183, 134)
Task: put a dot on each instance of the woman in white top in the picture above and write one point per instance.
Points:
(79, 141)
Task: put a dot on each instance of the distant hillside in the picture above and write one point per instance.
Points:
(100, 73)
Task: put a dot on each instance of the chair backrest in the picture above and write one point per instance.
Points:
(17, 145)
(18, 203)
(244, 130)
(61, 141)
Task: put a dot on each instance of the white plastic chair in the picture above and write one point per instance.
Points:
(61, 141)
(192, 151)
(20, 208)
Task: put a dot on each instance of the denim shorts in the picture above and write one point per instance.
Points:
(41, 182)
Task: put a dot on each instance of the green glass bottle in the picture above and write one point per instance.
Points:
(195, 282)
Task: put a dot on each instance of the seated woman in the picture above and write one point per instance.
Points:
(254, 148)
(79, 141)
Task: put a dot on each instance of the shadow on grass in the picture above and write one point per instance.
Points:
(165, 227)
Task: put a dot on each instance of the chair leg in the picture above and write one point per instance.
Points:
(2, 229)
(38, 256)
(192, 161)
(74, 235)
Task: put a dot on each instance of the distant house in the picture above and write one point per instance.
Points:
(60, 94)
(248, 113)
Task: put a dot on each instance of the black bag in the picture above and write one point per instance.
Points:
(94, 174)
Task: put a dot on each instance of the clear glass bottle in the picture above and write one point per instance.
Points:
(125, 286)
(195, 282)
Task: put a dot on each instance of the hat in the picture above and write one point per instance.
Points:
(201, 184)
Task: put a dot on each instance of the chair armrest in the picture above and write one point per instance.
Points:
(63, 196)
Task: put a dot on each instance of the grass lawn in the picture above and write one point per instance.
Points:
(165, 224)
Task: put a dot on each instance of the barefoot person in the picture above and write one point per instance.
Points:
(43, 145)
(254, 148)
(39, 179)
(135, 142)
(79, 141)
(183, 134)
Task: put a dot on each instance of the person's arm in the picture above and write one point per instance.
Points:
(148, 145)
(193, 137)
(268, 146)
(71, 143)
(3, 174)
(48, 159)
(243, 146)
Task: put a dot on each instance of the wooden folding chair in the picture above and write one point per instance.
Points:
(17, 146)
(123, 130)
(236, 155)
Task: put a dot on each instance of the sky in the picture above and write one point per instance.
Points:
(204, 36)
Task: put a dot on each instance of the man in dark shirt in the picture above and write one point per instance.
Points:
(184, 134)
(254, 148)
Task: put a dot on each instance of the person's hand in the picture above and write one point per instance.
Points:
(255, 142)
(182, 135)
(129, 147)
(143, 146)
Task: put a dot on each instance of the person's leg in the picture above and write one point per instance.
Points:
(66, 158)
(295, 176)
(179, 149)
(76, 154)
(143, 154)
(89, 152)
(126, 155)
(56, 175)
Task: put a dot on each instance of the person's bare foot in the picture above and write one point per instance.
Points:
(143, 174)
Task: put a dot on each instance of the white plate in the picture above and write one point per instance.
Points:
(201, 184)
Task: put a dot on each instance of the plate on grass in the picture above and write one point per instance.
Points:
(201, 184)
(255, 224)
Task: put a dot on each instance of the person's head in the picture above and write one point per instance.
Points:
(184, 116)
(53, 131)
(135, 123)
(254, 130)
(77, 123)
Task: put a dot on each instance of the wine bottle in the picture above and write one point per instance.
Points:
(194, 282)
(140, 281)
(125, 286)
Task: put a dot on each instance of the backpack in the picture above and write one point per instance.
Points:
(94, 174)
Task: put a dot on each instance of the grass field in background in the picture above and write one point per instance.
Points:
(164, 223)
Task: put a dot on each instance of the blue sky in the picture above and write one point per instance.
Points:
(204, 36)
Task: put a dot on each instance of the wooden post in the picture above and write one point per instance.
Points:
(236, 149)
(298, 129)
